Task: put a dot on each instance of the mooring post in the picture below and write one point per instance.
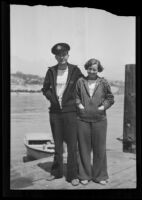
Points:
(129, 123)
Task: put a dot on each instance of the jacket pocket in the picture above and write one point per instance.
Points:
(94, 112)
(81, 111)
(100, 112)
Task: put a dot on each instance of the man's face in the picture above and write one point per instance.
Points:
(62, 58)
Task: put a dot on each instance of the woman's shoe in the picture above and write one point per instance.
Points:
(84, 182)
(75, 182)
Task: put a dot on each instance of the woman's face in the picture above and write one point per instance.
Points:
(92, 70)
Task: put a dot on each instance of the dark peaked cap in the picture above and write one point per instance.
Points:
(60, 48)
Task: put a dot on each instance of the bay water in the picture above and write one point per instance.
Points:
(30, 114)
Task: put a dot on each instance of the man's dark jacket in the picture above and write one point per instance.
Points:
(68, 99)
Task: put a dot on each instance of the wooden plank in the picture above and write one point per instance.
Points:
(123, 178)
(128, 185)
(119, 167)
(33, 175)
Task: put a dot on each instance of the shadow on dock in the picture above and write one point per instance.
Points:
(21, 182)
(27, 159)
(46, 166)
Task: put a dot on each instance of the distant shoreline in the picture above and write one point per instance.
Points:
(39, 91)
(25, 91)
(29, 83)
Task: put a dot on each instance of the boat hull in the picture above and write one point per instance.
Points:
(37, 154)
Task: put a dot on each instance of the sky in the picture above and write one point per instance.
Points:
(90, 32)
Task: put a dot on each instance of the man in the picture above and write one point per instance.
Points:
(59, 88)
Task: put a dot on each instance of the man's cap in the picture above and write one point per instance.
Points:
(60, 48)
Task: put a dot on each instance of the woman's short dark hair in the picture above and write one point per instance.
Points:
(92, 62)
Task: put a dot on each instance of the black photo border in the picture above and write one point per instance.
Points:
(118, 9)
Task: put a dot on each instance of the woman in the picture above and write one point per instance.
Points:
(93, 98)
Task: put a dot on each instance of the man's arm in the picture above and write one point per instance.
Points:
(46, 84)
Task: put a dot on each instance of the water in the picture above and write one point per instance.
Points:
(29, 113)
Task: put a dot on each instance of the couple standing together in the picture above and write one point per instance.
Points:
(77, 114)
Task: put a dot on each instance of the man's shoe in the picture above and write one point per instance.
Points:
(103, 182)
(84, 182)
(50, 177)
(75, 182)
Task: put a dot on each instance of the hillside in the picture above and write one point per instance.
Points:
(21, 82)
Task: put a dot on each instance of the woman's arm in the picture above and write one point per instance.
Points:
(109, 97)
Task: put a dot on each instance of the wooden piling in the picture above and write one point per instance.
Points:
(129, 123)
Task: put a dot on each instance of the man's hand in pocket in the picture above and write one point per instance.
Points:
(81, 106)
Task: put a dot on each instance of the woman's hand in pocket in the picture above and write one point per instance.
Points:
(101, 107)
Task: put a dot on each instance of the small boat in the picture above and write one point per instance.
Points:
(39, 145)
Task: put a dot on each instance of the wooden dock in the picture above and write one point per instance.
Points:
(32, 175)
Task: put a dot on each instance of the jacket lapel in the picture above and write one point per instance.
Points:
(85, 82)
(54, 70)
(87, 88)
(70, 70)
(96, 86)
